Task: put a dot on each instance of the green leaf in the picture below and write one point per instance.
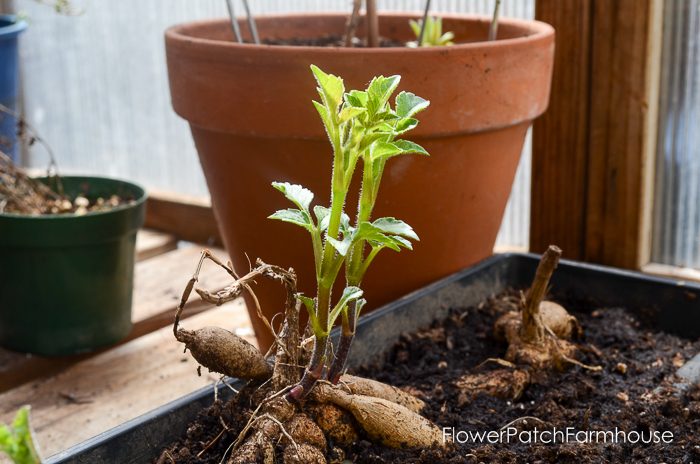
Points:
(405, 125)
(373, 137)
(381, 149)
(446, 38)
(415, 26)
(310, 304)
(402, 242)
(384, 128)
(17, 441)
(349, 294)
(342, 246)
(357, 98)
(330, 87)
(431, 26)
(408, 147)
(349, 113)
(381, 88)
(376, 237)
(345, 224)
(296, 194)
(388, 115)
(294, 216)
(325, 118)
(361, 302)
(393, 226)
(323, 217)
(388, 233)
(433, 35)
(379, 92)
(322, 214)
(408, 104)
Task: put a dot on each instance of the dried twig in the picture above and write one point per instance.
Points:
(351, 24)
(21, 194)
(30, 136)
(372, 23)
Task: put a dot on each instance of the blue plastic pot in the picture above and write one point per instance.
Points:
(10, 28)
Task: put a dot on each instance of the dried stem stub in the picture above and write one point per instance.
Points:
(532, 329)
(538, 339)
(539, 335)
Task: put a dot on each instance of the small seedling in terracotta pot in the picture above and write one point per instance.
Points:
(432, 35)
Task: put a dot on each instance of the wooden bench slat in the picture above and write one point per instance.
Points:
(188, 218)
(150, 243)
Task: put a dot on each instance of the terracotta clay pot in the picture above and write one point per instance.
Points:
(249, 108)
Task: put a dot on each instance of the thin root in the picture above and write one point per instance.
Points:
(566, 358)
(283, 431)
(253, 419)
(580, 364)
(212, 442)
(499, 361)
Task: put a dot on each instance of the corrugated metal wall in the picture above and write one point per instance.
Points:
(677, 203)
(96, 88)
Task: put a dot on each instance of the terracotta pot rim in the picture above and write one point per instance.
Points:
(540, 30)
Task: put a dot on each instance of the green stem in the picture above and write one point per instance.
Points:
(364, 212)
(327, 272)
(355, 271)
(368, 261)
(312, 373)
(346, 338)
(318, 355)
(318, 251)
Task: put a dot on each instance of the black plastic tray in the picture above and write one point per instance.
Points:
(669, 305)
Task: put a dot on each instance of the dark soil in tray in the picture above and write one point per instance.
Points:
(633, 392)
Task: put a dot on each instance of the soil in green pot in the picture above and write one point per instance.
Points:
(634, 392)
(21, 194)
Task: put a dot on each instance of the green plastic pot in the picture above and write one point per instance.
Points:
(65, 280)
